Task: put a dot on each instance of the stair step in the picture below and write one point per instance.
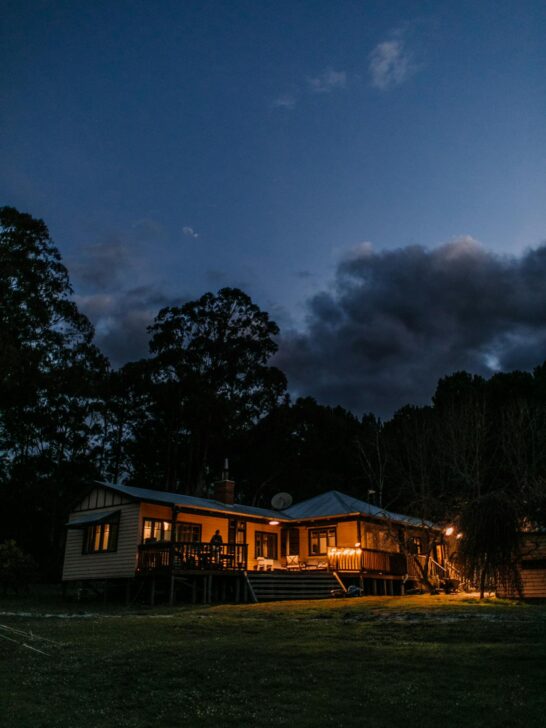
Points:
(279, 586)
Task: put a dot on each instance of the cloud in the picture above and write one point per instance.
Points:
(391, 64)
(324, 83)
(327, 81)
(284, 101)
(396, 321)
(190, 232)
(121, 319)
(101, 265)
(148, 230)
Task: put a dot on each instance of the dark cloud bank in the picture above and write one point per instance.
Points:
(393, 324)
(398, 320)
(106, 277)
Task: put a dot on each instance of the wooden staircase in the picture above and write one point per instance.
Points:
(270, 586)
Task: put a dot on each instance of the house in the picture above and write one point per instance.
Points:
(216, 549)
(530, 569)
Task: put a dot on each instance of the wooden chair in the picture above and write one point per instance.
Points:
(293, 562)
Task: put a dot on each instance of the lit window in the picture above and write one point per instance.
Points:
(266, 545)
(156, 530)
(320, 540)
(101, 537)
(188, 532)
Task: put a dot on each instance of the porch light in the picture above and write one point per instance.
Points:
(449, 531)
(273, 523)
(459, 535)
(357, 545)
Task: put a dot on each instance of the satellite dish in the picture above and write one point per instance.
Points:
(281, 501)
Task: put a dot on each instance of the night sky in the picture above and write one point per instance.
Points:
(372, 173)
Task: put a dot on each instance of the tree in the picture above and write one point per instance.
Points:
(302, 447)
(50, 374)
(211, 379)
(489, 546)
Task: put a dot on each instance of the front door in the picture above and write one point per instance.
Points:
(237, 541)
(290, 542)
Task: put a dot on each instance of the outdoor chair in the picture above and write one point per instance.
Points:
(263, 564)
(293, 562)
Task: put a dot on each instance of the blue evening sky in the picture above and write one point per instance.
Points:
(255, 143)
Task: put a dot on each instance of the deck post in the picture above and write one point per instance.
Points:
(374, 587)
(152, 592)
(391, 587)
(237, 589)
(174, 515)
(171, 591)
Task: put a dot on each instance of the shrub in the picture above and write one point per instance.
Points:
(16, 568)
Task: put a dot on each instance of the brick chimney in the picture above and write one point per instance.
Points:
(224, 490)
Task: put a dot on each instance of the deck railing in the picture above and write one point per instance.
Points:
(355, 559)
(192, 555)
(435, 570)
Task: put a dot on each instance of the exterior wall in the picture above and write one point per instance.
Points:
(533, 580)
(251, 529)
(346, 536)
(209, 524)
(111, 565)
(375, 535)
(100, 498)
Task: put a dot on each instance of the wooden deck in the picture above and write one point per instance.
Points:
(191, 556)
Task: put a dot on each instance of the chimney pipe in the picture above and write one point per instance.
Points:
(224, 490)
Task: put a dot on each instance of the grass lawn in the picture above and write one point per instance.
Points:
(387, 661)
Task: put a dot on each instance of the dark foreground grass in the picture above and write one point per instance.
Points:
(417, 661)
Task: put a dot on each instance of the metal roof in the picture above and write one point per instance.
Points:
(90, 518)
(334, 503)
(189, 501)
(331, 503)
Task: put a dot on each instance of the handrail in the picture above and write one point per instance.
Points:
(372, 560)
(339, 580)
(432, 561)
(250, 587)
(192, 555)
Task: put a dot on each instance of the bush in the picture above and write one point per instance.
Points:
(16, 568)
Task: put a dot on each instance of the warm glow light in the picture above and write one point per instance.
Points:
(333, 551)
(449, 531)
(273, 523)
(357, 544)
(459, 535)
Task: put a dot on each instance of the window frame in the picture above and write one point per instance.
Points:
(164, 529)
(192, 525)
(107, 533)
(154, 521)
(259, 544)
(318, 530)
